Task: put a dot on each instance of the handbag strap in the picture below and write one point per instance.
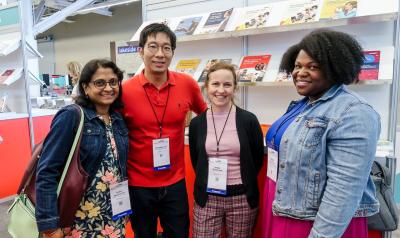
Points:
(74, 148)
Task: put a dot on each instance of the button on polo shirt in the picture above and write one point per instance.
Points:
(143, 127)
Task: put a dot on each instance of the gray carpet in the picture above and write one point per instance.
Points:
(4, 219)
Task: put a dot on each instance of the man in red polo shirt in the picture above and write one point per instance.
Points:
(156, 103)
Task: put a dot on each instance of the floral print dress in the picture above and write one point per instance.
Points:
(94, 216)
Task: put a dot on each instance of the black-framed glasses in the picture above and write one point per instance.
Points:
(101, 83)
(153, 48)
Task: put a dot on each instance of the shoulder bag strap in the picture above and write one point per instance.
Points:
(74, 148)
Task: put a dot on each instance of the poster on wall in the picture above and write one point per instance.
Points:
(127, 58)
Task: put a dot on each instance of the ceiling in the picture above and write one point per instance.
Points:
(45, 8)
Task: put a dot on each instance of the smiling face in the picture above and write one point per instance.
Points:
(157, 53)
(102, 96)
(308, 77)
(221, 89)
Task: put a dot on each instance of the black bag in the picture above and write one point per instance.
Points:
(387, 219)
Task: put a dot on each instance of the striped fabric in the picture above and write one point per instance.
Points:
(233, 211)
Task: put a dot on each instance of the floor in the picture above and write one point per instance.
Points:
(4, 221)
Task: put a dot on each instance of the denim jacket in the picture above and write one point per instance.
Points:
(55, 152)
(325, 158)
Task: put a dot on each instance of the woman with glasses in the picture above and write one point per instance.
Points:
(102, 154)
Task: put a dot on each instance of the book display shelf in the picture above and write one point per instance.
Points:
(259, 27)
(18, 59)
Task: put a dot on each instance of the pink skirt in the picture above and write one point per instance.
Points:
(285, 227)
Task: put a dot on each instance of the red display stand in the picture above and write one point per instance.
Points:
(15, 150)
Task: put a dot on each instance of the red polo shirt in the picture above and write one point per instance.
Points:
(184, 95)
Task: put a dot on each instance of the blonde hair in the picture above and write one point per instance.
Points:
(218, 66)
(74, 69)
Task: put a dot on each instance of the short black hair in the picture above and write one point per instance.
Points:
(86, 76)
(153, 29)
(339, 55)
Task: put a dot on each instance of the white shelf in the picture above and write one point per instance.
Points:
(12, 115)
(293, 27)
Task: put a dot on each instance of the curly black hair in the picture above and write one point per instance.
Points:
(153, 29)
(339, 55)
(86, 76)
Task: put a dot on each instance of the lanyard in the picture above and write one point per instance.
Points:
(215, 129)
(160, 123)
(114, 150)
(290, 116)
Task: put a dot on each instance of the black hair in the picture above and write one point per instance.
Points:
(338, 54)
(153, 29)
(86, 76)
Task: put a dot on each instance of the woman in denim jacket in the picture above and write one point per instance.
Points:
(103, 154)
(321, 150)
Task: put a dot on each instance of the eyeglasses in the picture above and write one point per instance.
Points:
(101, 83)
(153, 48)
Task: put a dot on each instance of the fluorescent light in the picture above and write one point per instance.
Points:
(104, 5)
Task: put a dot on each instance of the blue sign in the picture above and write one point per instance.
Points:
(128, 49)
(9, 16)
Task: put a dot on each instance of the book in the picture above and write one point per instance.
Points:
(216, 22)
(9, 76)
(370, 67)
(336, 9)
(252, 17)
(301, 11)
(187, 26)
(252, 68)
(210, 63)
(188, 66)
(136, 36)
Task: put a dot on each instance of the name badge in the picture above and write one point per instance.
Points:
(161, 154)
(272, 168)
(120, 202)
(217, 175)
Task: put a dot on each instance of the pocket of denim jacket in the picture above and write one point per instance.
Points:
(314, 129)
(313, 190)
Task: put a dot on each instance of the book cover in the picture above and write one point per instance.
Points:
(252, 68)
(336, 9)
(301, 11)
(252, 17)
(370, 67)
(136, 36)
(6, 75)
(187, 26)
(216, 22)
(210, 63)
(188, 66)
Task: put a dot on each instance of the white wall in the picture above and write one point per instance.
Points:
(90, 36)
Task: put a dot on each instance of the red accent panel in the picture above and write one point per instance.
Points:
(15, 153)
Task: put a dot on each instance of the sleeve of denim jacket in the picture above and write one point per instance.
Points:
(55, 152)
(350, 151)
